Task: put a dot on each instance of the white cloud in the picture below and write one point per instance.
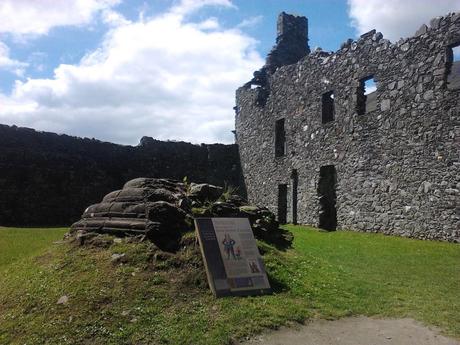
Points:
(396, 18)
(161, 76)
(36, 17)
(208, 24)
(8, 64)
(188, 6)
(113, 18)
(30, 18)
(250, 22)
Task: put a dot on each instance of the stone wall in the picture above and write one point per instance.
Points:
(49, 179)
(397, 165)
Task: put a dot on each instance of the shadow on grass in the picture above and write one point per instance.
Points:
(281, 239)
(277, 285)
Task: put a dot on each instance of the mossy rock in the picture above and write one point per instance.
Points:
(162, 211)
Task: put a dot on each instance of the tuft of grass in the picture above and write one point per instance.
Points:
(154, 298)
(228, 192)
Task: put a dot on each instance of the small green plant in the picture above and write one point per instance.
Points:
(228, 191)
(205, 210)
(187, 185)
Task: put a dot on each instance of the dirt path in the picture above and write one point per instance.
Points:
(356, 331)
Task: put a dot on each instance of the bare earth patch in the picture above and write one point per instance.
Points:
(356, 331)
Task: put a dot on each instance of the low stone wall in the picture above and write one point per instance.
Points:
(48, 179)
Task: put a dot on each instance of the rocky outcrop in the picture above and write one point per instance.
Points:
(162, 211)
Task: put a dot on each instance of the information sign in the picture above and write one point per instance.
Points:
(233, 263)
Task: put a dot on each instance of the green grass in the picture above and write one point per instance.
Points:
(324, 275)
(18, 243)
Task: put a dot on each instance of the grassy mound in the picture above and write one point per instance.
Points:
(147, 296)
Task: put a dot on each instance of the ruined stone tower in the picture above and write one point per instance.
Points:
(291, 41)
(365, 138)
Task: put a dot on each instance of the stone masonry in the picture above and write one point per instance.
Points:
(316, 150)
(48, 179)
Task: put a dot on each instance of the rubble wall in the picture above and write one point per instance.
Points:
(48, 179)
(398, 165)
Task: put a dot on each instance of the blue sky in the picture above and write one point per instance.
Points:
(68, 44)
(120, 69)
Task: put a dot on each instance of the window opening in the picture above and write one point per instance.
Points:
(366, 100)
(280, 138)
(327, 101)
(453, 66)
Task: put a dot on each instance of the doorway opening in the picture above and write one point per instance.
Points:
(327, 197)
(282, 203)
(294, 183)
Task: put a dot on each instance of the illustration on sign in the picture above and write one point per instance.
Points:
(233, 262)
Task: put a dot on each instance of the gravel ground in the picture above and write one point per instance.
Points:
(355, 331)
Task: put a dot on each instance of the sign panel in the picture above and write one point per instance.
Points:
(233, 263)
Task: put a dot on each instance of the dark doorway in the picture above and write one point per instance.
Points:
(294, 183)
(282, 203)
(327, 197)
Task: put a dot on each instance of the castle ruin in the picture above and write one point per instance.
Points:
(318, 147)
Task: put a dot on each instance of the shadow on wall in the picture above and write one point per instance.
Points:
(48, 179)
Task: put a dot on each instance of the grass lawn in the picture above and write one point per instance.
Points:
(153, 301)
(17, 243)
